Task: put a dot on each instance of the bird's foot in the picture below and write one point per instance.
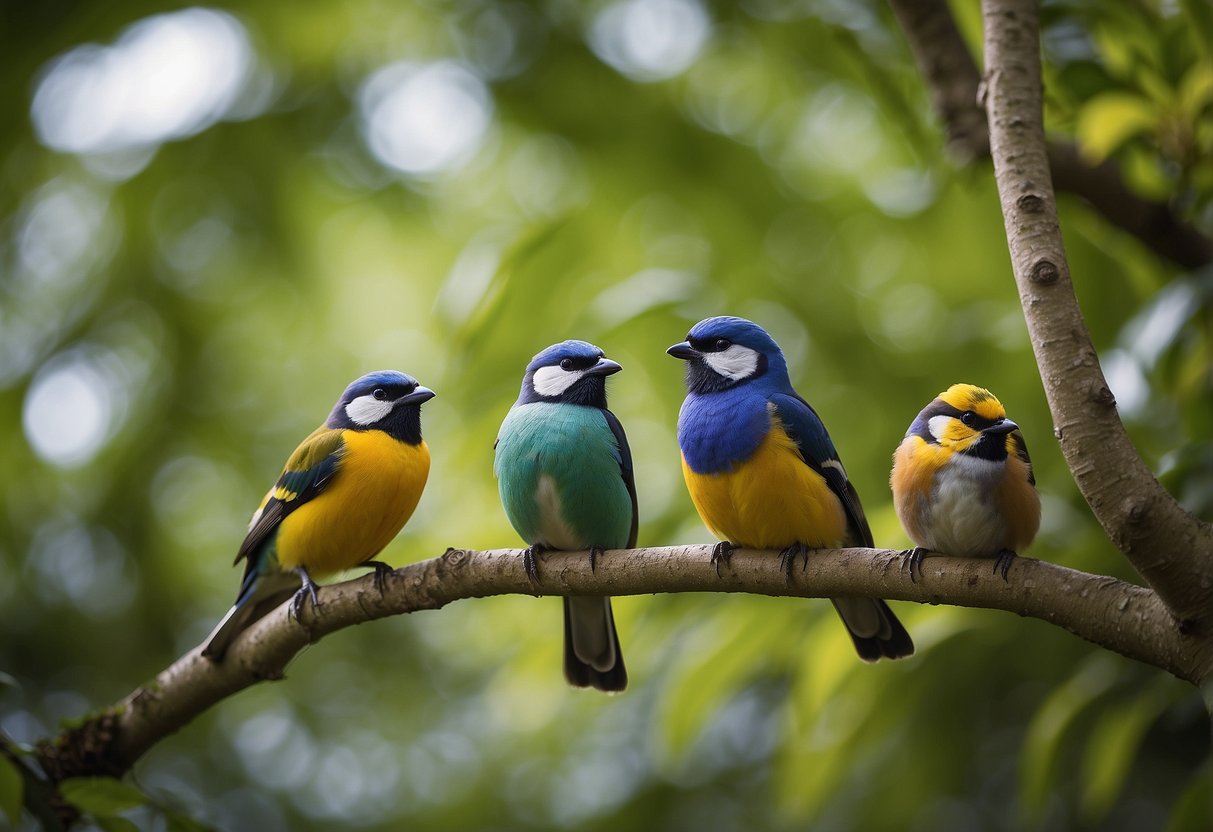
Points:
(722, 552)
(1002, 563)
(530, 561)
(787, 560)
(913, 561)
(595, 552)
(308, 590)
(382, 570)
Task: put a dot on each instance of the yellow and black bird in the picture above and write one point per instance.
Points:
(962, 481)
(346, 491)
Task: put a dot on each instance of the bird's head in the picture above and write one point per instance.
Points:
(572, 372)
(384, 400)
(966, 419)
(724, 352)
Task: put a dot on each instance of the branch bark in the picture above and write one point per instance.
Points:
(1127, 619)
(953, 81)
(1172, 549)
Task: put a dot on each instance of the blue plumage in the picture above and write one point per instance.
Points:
(762, 469)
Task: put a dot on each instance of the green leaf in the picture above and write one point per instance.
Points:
(1200, 23)
(1118, 53)
(1042, 747)
(1115, 740)
(1193, 811)
(12, 790)
(1111, 119)
(184, 823)
(1196, 89)
(719, 659)
(114, 823)
(101, 796)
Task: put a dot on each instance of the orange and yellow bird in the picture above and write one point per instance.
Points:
(962, 481)
(346, 491)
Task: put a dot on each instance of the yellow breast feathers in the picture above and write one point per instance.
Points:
(770, 501)
(368, 501)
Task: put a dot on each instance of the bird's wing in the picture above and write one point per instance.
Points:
(307, 473)
(625, 468)
(805, 428)
(1021, 451)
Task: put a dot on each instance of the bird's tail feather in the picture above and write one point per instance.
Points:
(259, 596)
(874, 628)
(592, 658)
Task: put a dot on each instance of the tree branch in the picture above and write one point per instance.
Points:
(1172, 549)
(953, 81)
(1127, 619)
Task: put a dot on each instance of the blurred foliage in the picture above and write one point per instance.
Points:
(179, 308)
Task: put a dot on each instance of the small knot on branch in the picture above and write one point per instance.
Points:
(455, 558)
(1103, 396)
(1031, 203)
(1044, 272)
(1137, 514)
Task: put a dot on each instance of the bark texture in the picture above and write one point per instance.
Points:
(1169, 547)
(1127, 619)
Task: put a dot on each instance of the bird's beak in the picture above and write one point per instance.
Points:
(684, 351)
(1005, 426)
(421, 394)
(604, 367)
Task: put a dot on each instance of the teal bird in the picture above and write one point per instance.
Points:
(564, 471)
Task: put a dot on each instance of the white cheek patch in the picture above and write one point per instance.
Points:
(735, 363)
(550, 382)
(938, 425)
(367, 410)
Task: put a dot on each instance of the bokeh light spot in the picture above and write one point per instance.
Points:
(650, 40)
(167, 76)
(68, 412)
(424, 120)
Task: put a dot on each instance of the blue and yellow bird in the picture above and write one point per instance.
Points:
(564, 471)
(762, 470)
(962, 481)
(346, 491)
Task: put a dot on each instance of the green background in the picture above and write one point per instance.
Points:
(199, 300)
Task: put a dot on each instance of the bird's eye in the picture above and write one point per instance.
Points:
(380, 394)
(722, 344)
(566, 364)
(969, 418)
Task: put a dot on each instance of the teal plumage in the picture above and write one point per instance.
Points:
(574, 449)
(564, 473)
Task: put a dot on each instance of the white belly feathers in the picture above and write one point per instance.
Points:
(554, 530)
(963, 519)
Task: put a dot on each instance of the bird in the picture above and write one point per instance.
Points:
(962, 481)
(345, 492)
(762, 470)
(564, 474)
